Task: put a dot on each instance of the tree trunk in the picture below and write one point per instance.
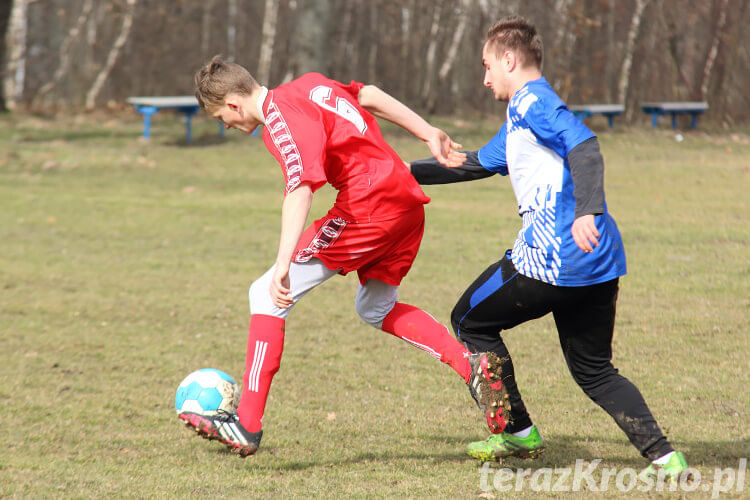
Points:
(611, 51)
(714, 51)
(65, 52)
(431, 55)
(15, 42)
(231, 30)
(5, 9)
(682, 64)
(207, 19)
(406, 78)
(462, 14)
(270, 16)
(101, 78)
(373, 43)
(343, 42)
(635, 23)
(562, 46)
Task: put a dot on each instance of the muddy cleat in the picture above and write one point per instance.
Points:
(486, 387)
(226, 428)
(675, 470)
(499, 446)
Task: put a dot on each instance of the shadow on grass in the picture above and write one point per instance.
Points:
(562, 451)
(38, 136)
(384, 457)
(197, 142)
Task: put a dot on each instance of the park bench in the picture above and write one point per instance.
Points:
(185, 104)
(674, 109)
(609, 110)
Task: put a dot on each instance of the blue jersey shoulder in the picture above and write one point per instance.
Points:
(548, 117)
(492, 154)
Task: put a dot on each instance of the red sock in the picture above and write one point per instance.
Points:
(265, 344)
(425, 332)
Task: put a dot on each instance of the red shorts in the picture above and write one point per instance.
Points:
(383, 251)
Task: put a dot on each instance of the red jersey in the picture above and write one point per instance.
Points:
(319, 133)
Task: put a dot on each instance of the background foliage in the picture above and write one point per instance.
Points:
(425, 52)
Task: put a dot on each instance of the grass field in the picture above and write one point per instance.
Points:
(124, 266)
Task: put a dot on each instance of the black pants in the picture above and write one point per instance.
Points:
(501, 298)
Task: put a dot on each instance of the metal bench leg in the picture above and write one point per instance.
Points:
(147, 112)
(694, 120)
(674, 120)
(655, 120)
(188, 112)
(188, 128)
(611, 119)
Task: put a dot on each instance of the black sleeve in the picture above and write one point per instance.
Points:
(587, 169)
(430, 171)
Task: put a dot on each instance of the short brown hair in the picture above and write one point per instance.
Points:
(517, 34)
(218, 78)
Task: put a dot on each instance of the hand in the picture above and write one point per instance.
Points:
(585, 233)
(280, 291)
(444, 149)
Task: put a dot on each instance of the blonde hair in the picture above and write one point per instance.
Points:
(217, 79)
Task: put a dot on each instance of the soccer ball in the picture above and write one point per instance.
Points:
(207, 391)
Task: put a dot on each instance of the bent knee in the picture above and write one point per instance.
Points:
(373, 315)
(373, 305)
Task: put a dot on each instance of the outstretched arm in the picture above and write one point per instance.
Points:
(429, 171)
(384, 106)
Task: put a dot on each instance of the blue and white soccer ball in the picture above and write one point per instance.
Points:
(207, 391)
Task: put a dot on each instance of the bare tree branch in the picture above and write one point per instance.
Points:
(65, 52)
(431, 53)
(127, 23)
(714, 51)
(635, 23)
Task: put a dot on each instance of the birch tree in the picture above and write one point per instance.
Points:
(714, 50)
(15, 43)
(65, 52)
(431, 54)
(270, 16)
(635, 23)
(462, 14)
(101, 78)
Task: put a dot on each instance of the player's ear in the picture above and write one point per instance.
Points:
(232, 101)
(510, 60)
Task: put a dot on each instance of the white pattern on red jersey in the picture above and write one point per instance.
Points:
(319, 133)
(284, 142)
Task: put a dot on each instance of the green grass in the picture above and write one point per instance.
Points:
(125, 265)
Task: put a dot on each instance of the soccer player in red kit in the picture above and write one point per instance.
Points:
(322, 131)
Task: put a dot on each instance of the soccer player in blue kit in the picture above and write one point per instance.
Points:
(568, 255)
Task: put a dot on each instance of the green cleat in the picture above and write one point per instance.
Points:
(672, 470)
(504, 445)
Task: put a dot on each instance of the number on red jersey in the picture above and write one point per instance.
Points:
(321, 95)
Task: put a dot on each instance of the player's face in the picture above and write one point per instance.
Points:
(232, 115)
(495, 74)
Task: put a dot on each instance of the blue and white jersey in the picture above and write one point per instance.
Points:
(532, 147)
